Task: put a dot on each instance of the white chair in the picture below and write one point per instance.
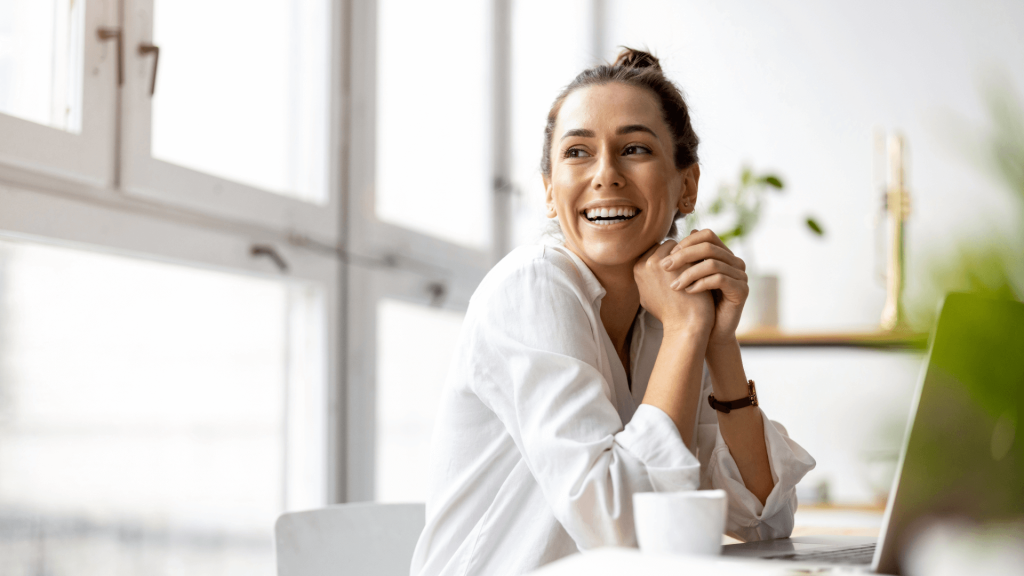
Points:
(360, 539)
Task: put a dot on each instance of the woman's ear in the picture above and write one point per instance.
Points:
(549, 200)
(688, 197)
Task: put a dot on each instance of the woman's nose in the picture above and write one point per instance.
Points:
(608, 175)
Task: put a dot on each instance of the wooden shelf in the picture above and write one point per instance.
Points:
(885, 340)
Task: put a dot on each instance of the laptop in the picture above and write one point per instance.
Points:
(963, 456)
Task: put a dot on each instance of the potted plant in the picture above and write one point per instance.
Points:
(736, 211)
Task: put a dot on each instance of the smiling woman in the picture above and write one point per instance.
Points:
(579, 377)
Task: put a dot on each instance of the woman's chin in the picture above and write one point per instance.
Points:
(610, 256)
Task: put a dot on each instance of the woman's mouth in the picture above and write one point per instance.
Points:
(606, 216)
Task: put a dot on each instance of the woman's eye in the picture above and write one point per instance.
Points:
(636, 149)
(576, 153)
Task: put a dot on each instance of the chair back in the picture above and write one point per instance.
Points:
(359, 539)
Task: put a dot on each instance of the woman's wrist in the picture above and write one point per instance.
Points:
(722, 346)
(687, 336)
(728, 379)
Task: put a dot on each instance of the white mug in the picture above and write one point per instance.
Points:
(680, 522)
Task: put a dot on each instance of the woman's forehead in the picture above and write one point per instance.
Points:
(609, 106)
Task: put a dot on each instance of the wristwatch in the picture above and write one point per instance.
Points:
(749, 400)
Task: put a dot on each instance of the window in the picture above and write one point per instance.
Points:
(415, 345)
(230, 109)
(426, 189)
(149, 412)
(170, 281)
(58, 84)
(41, 62)
(261, 116)
(433, 152)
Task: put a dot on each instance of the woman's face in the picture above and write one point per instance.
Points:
(614, 186)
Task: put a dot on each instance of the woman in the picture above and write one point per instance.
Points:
(580, 376)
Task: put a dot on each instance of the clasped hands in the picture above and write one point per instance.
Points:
(696, 286)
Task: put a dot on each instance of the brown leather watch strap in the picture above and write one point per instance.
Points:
(726, 407)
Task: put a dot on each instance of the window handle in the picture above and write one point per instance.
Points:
(147, 48)
(114, 34)
(269, 252)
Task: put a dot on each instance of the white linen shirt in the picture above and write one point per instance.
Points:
(540, 444)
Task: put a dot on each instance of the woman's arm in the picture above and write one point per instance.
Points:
(743, 429)
(675, 381)
(706, 265)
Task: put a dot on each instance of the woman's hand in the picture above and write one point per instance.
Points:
(678, 311)
(703, 264)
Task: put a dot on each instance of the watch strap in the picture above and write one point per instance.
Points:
(749, 400)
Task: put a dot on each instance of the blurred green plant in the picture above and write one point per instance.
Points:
(741, 204)
(992, 265)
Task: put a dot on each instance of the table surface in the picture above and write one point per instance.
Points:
(834, 521)
(809, 520)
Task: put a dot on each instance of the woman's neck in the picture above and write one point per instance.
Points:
(619, 305)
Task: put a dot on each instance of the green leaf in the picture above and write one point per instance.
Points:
(773, 181)
(733, 234)
(815, 227)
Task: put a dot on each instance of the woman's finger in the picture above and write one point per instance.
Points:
(730, 287)
(653, 255)
(698, 236)
(703, 251)
(707, 268)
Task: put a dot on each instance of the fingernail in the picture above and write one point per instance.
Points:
(674, 285)
(666, 263)
(688, 289)
(693, 231)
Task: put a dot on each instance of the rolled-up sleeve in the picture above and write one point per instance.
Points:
(749, 519)
(538, 367)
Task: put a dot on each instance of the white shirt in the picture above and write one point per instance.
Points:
(540, 443)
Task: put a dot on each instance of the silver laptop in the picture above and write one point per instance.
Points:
(957, 462)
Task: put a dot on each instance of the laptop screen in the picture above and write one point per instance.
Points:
(964, 456)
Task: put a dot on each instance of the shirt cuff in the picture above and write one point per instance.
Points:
(789, 463)
(652, 436)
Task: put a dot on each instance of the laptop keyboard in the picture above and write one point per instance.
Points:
(851, 555)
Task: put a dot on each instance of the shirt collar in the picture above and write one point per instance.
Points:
(591, 285)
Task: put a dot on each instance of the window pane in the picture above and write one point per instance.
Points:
(41, 61)
(551, 44)
(144, 414)
(433, 157)
(242, 91)
(414, 348)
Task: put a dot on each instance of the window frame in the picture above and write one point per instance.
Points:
(393, 262)
(69, 190)
(28, 215)
(85, 158)
(146, 177)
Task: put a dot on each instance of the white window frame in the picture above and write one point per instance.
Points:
(28, 215)
(390, 261)
(69, 190)
(147, 177)
(85, 158)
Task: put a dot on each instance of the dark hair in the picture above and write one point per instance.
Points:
(642, 70)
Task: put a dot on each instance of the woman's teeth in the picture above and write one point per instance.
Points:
(604, 216)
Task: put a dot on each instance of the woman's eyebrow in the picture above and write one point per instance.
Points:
(583, 132)
(635, 128)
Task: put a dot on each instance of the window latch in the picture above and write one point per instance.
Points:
(147, 48)
(105, 34)
(269, 252)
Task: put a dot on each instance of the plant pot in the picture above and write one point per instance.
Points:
(761, 312)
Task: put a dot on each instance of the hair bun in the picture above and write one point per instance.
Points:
(630, 58)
